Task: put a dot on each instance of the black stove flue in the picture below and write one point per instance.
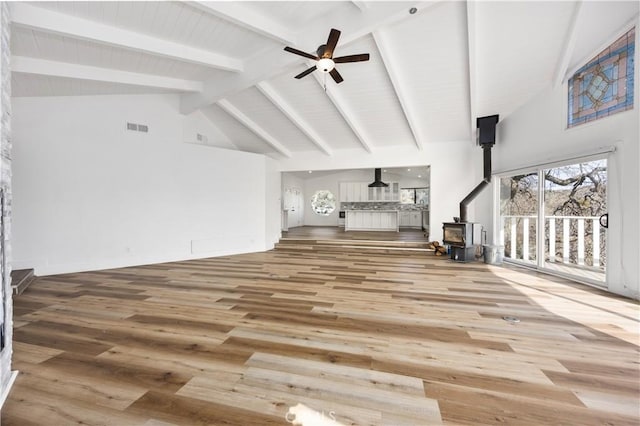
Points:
(462, 235)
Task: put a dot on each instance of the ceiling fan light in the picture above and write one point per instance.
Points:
(325, 65)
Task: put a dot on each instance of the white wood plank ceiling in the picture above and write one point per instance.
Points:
(430, 73)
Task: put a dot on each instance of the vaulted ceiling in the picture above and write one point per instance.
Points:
(430, 74)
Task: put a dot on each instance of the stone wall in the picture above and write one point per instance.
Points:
(5, 185)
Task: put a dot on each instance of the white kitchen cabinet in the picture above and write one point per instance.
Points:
(343, 192)
(411, 219)
(393, 192)
(349, 192)
(404, 218)
(364, 191)
(371, 220)
(389, 193)
(415, 219)
(360, 192)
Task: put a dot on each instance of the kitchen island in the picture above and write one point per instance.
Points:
(371, 220)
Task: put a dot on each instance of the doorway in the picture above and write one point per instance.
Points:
(293, 205)
(555, 219)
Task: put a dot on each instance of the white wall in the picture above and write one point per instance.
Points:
(197, 123)
(89, 195)
(456, 168)
(273, 203)
(537, 133)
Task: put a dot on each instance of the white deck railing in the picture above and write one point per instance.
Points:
(521, 225)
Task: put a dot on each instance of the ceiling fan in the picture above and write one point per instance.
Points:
(326, 63)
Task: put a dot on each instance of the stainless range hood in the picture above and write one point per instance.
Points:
(377, 182)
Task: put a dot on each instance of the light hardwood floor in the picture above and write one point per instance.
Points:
(363, 336)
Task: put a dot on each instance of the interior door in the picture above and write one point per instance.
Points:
(294, 205)
(298, 205)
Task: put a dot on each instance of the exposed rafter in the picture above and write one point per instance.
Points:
(352, 22)
(341, 105)
(22, 64)
(471, 50)
(400, 89)
(633, 22)
(253, 126)
(267, 90)
(25, 15)
(241, 14)
(567, 47)
(360, 4)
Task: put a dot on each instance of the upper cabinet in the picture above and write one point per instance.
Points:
(360, 192)
(388, 193)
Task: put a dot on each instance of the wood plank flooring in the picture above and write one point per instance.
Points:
(337, 233)
(366, 338)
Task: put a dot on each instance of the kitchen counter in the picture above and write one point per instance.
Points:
(371, 220)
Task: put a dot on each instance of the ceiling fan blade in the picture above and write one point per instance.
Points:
(306, 72)
(336, 76)
(351, 58)
(334, 35)
(301, 53)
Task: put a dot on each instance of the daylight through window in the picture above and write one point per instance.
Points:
(604, 86)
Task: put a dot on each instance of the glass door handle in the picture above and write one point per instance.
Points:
(604, 220)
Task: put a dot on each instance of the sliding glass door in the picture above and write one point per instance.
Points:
(555, 219)
(575, 201)
(519, 203)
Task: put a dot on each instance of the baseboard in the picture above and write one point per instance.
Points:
(5, 394)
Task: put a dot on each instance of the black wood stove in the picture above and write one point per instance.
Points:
(462, 237)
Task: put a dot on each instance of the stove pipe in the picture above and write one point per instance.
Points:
(486, 139)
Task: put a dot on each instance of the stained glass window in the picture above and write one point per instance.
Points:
(604, 86)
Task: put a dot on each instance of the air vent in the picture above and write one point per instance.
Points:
(138, 127)
(202, 138)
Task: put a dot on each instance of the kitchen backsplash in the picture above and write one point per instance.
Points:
(381, 206)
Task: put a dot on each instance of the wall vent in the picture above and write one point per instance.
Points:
(137, 127)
